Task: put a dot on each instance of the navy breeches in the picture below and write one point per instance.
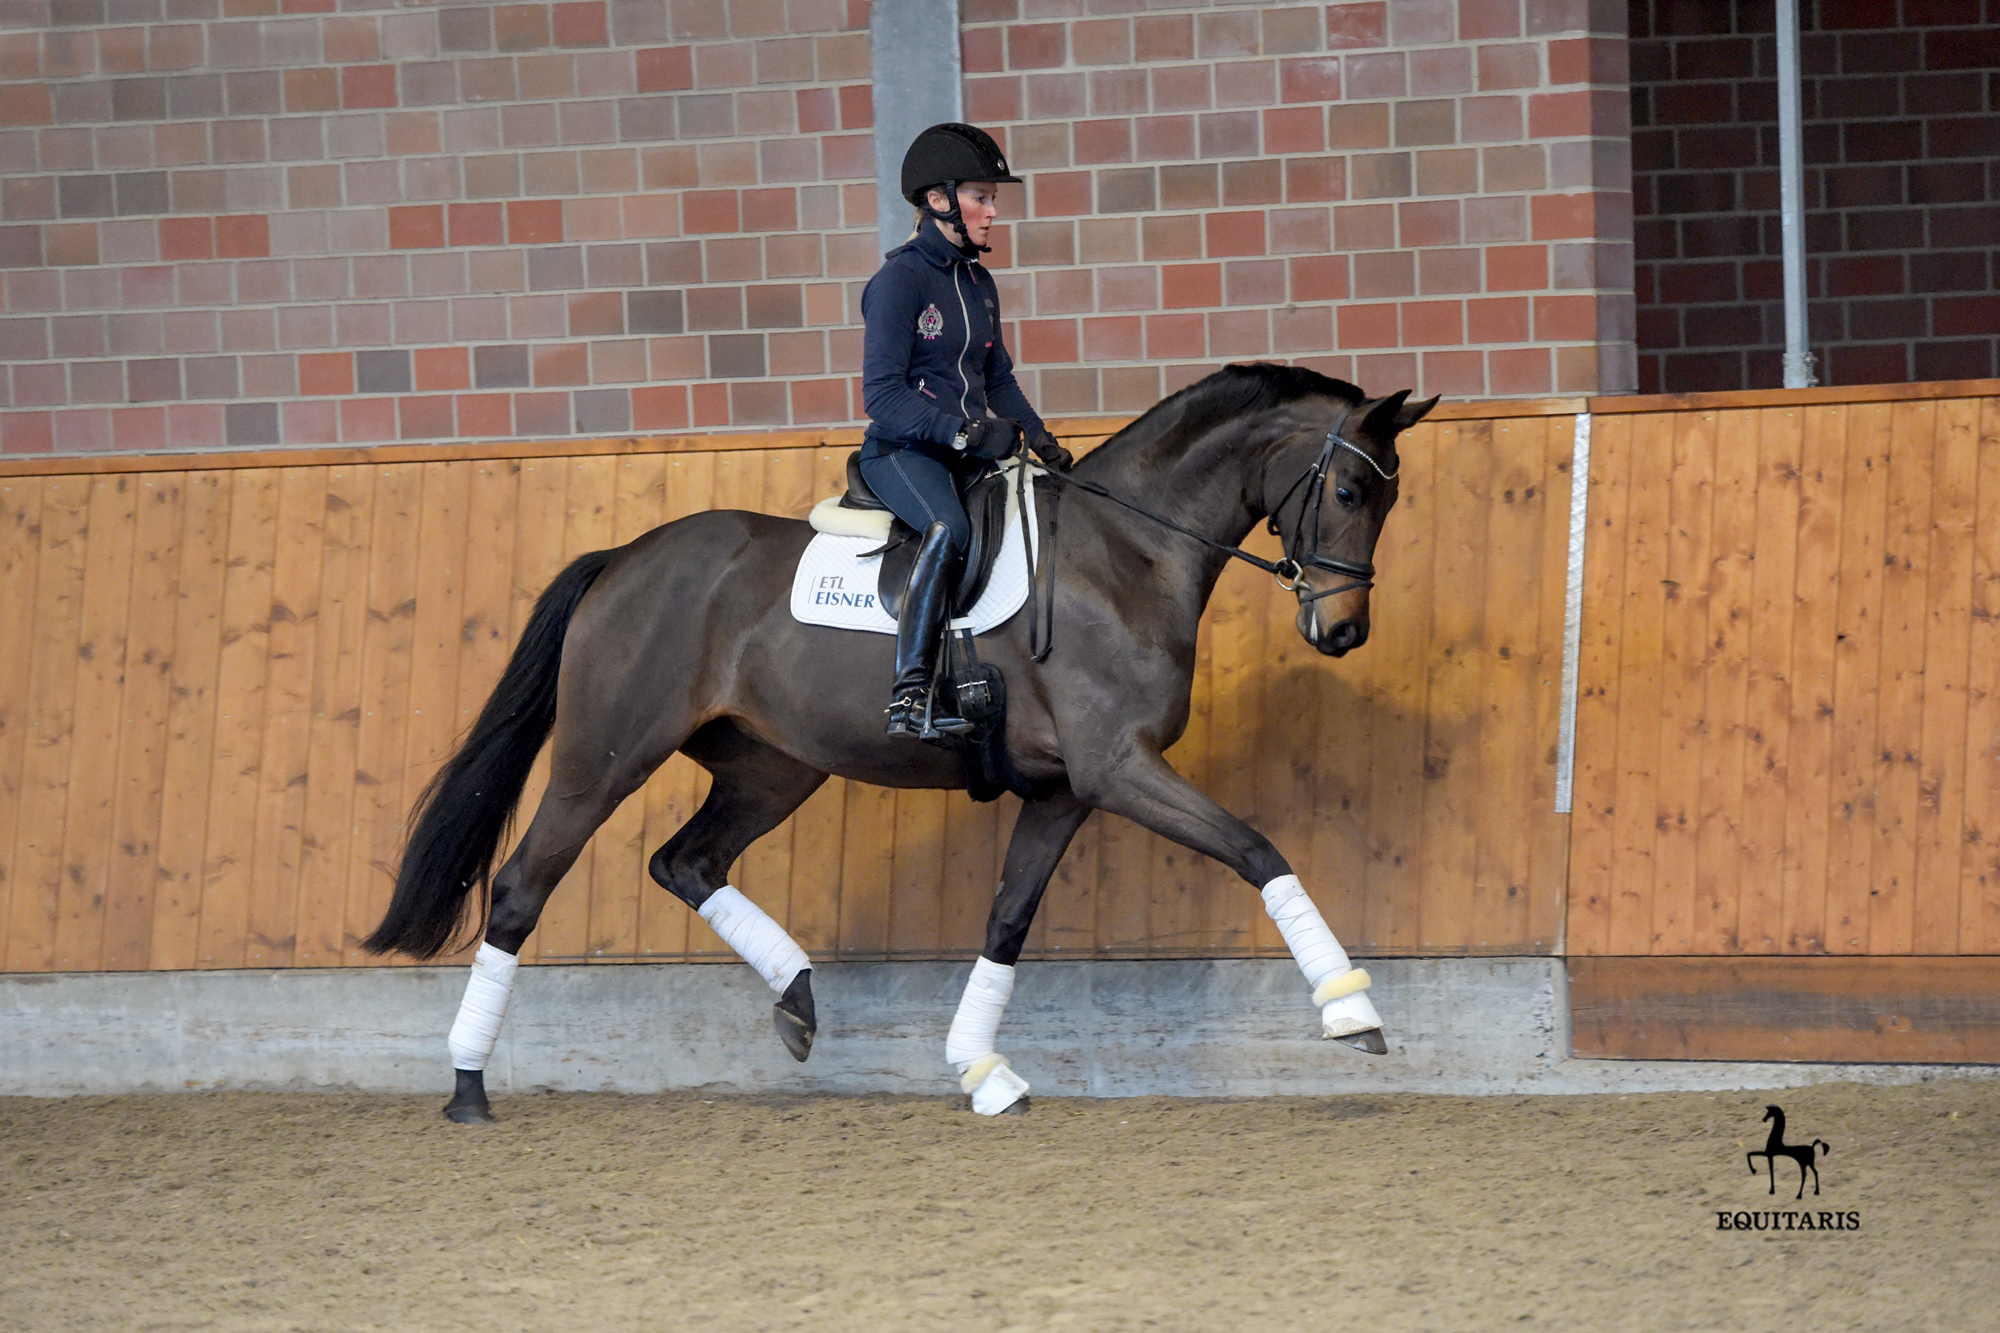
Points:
(920, 491)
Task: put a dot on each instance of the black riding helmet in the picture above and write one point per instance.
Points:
(945, 157)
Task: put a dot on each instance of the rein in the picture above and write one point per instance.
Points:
(1291, 567)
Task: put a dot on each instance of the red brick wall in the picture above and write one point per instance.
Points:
(299, 222)
(1423, 193)
(1902, 179)
(296, 222)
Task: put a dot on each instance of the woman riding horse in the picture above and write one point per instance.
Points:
(939, 387)
(684, 640)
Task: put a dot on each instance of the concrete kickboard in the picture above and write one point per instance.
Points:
(1240, 1027)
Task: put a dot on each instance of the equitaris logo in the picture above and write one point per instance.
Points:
(1776, 1147)
(1806, 1157)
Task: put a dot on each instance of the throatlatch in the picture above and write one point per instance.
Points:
(968, 1047)
(1339, 988)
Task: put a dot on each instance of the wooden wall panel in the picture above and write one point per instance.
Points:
(1979, 867)
(1786, 737)
(327, 847)
(142, 746)
(203, 559)
(100, 650)
(1877, 1010)
(237, 676)
(20, 560)
(294, 641)
(379, 807)
(49, 718)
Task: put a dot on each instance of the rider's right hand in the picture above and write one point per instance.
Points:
(992, 437)
(1053, 456)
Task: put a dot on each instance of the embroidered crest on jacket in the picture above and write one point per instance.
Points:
(930, 324)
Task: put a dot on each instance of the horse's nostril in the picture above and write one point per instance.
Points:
(1349, 634)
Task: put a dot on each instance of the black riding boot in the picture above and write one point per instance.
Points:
(925, 604)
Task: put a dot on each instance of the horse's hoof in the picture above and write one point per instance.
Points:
(1369, 1041)
(468, 1105)
(792, 1031)
(794, 1017)
(1020, 1106)
(1000, 1091)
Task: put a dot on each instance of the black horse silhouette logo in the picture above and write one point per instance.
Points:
(1776, 1147)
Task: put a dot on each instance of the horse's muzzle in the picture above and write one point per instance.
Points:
(1335, 638)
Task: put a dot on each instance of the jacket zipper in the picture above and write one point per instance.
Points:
(966, 316)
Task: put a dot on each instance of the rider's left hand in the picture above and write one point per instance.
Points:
(1052, 455)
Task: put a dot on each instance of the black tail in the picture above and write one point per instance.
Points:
(457, 824)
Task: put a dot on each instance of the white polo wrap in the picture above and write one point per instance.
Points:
(977, 1022)
(1305, 930)
(760, 941)
(477, 1027)
(1338, 987)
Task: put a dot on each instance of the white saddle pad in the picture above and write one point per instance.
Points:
(835, 586)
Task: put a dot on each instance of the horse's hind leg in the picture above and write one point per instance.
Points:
(561, 826)
(756, 787)
(580, 796)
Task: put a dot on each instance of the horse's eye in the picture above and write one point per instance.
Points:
(1345, 496)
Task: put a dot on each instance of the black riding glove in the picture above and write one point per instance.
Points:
(991, 437)
(1052, 455)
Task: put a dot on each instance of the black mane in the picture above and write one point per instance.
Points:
(1235, 390)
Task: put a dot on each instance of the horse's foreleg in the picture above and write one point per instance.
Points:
(1144, 788)
(1042, 832)
(756, 788)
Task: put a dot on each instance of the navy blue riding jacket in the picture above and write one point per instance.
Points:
(932, 357)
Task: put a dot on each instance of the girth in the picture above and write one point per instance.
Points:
(985, 501)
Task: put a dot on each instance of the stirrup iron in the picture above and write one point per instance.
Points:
(937, 727)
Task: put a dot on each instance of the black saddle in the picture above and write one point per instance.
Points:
(985, 500)
(978, 687)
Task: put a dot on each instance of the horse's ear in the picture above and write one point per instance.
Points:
(1412, 413)
(1382, 419)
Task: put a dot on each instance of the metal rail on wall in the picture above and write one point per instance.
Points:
(1791, 196)
(1579, 504)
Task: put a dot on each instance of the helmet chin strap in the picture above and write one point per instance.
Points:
(952, 218)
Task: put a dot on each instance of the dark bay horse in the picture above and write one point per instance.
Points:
(684, 640)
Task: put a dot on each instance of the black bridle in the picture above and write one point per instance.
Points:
(1290, 570)
(1301, 545)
